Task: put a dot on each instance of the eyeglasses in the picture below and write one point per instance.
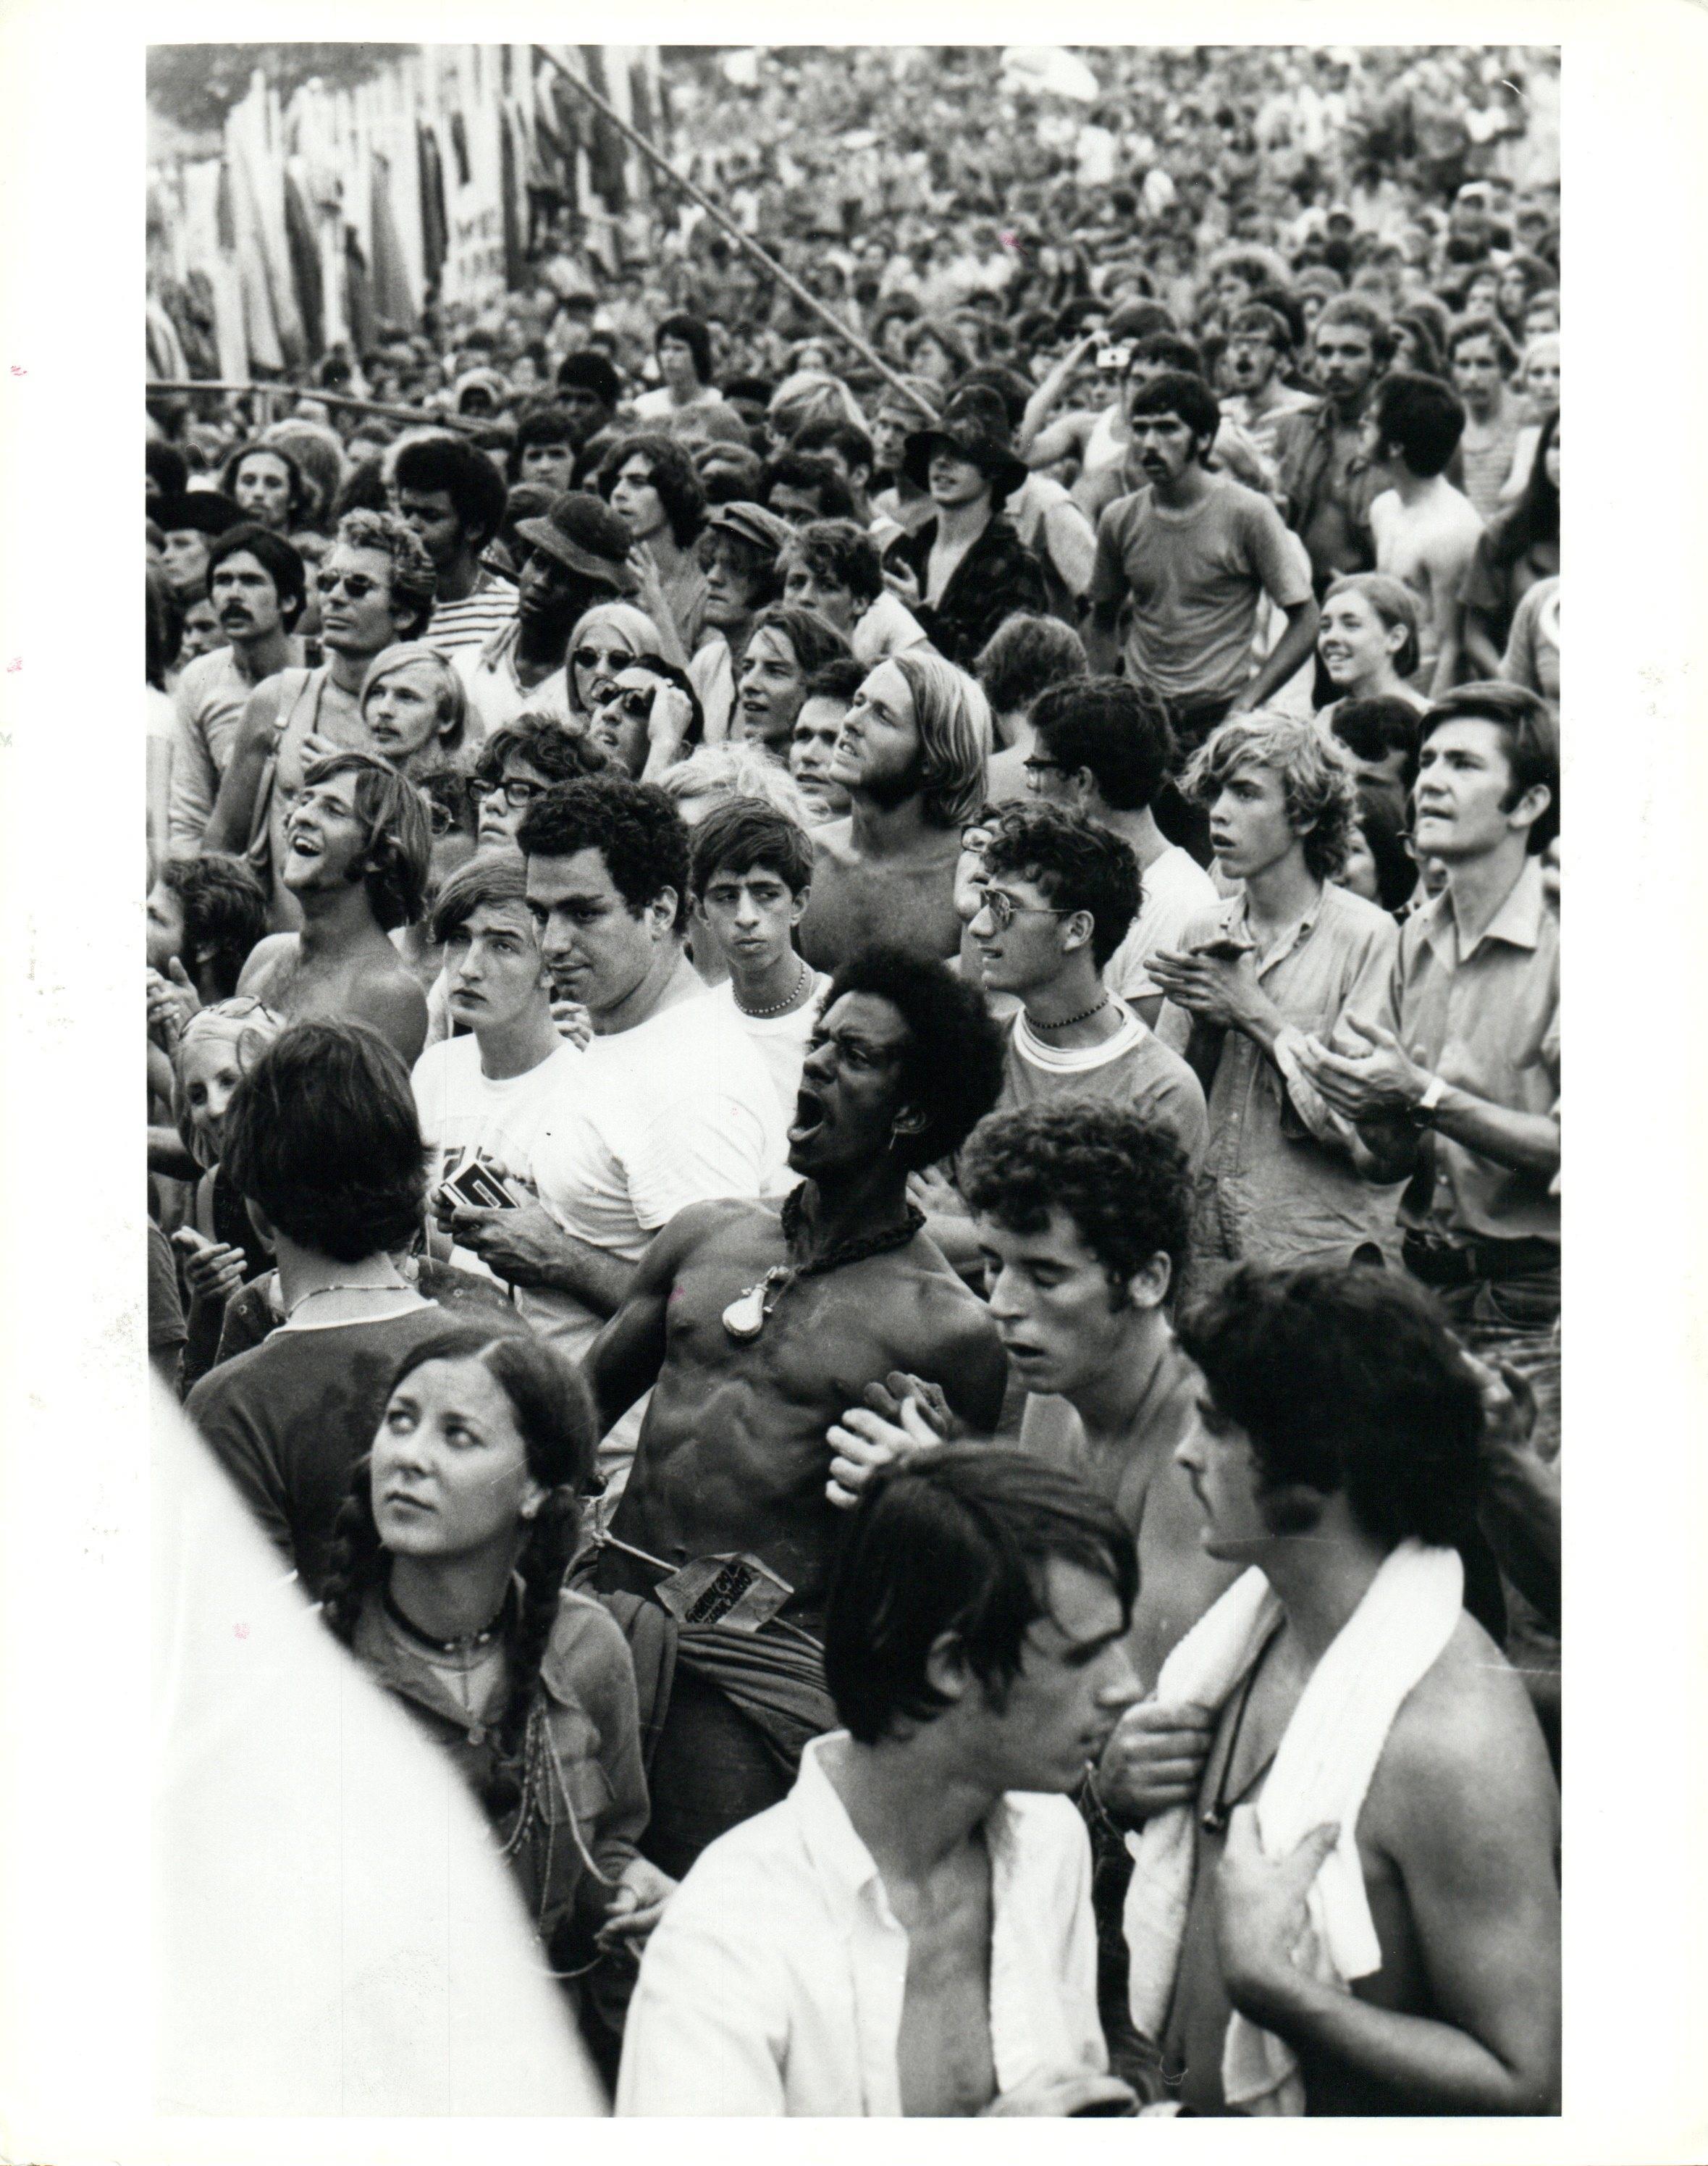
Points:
(634, 701)
(518, 793)
(1003, 909)
(590, 657)
(1036, 769)
(356, 584)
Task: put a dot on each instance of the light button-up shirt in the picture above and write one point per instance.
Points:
(1487, 1021)
(774, 1982)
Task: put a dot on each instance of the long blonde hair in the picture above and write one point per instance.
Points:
(952, 717)
(634, 625)
(252, 1027)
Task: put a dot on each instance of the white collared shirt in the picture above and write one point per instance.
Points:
(774, 1982)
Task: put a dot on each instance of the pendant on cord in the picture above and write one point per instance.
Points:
(744, 1319)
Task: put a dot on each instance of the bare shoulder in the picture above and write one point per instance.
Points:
(389, 989)
(267, 960)
(261, 711)
(948, 1334)
(833, 843)
(1466, 1750)
(696, 1226)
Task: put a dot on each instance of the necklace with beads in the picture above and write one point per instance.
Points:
(803, 985)
(1068, 1022)
(456, 1661)
(344, 1286)
(745, 1318)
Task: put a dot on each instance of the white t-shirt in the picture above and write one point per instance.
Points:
(887, 627)
(680, 1110)
(780, 1041)
(1176, 889)
(466, 1114)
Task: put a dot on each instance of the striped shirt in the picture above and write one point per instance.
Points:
(476, 618)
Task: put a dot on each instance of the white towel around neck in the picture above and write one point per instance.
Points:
(1320, 1774)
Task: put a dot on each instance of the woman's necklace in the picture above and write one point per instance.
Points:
(465, 1643)
(802, 985)
(456, 1661)
(344, 1286)
(744, 1319)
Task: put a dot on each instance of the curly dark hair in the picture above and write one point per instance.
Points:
(1345, 1378)
(467, 476)
(674, 475)
(555, 1418)
(560, 754)
(1125, 1183)
(397, 855)
(1079, 865)
(225, 912)
(635, 827)
(840, 552)
(952, 1065)
(322, 1136)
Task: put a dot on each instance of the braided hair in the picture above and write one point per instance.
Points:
(554, 1417)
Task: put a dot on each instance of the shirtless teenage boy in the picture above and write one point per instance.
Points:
(755, 1328)
(1426, 532)
(1336, 1451)
(357, 849)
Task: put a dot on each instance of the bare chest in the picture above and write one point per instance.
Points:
(946, 2063)
(316, 989)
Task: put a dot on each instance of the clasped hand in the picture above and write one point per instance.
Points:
(1260, 1906)
(1156, 1758)
(900, 1416)
(1222, 989)
(1372, 1078)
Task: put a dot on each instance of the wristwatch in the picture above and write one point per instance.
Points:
(1423, 1111)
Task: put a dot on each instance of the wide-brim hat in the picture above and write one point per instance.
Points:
(974, 427)
(585, 535)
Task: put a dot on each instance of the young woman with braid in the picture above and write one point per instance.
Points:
(445, 1580)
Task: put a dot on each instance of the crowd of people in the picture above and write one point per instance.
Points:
(854, 1077)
